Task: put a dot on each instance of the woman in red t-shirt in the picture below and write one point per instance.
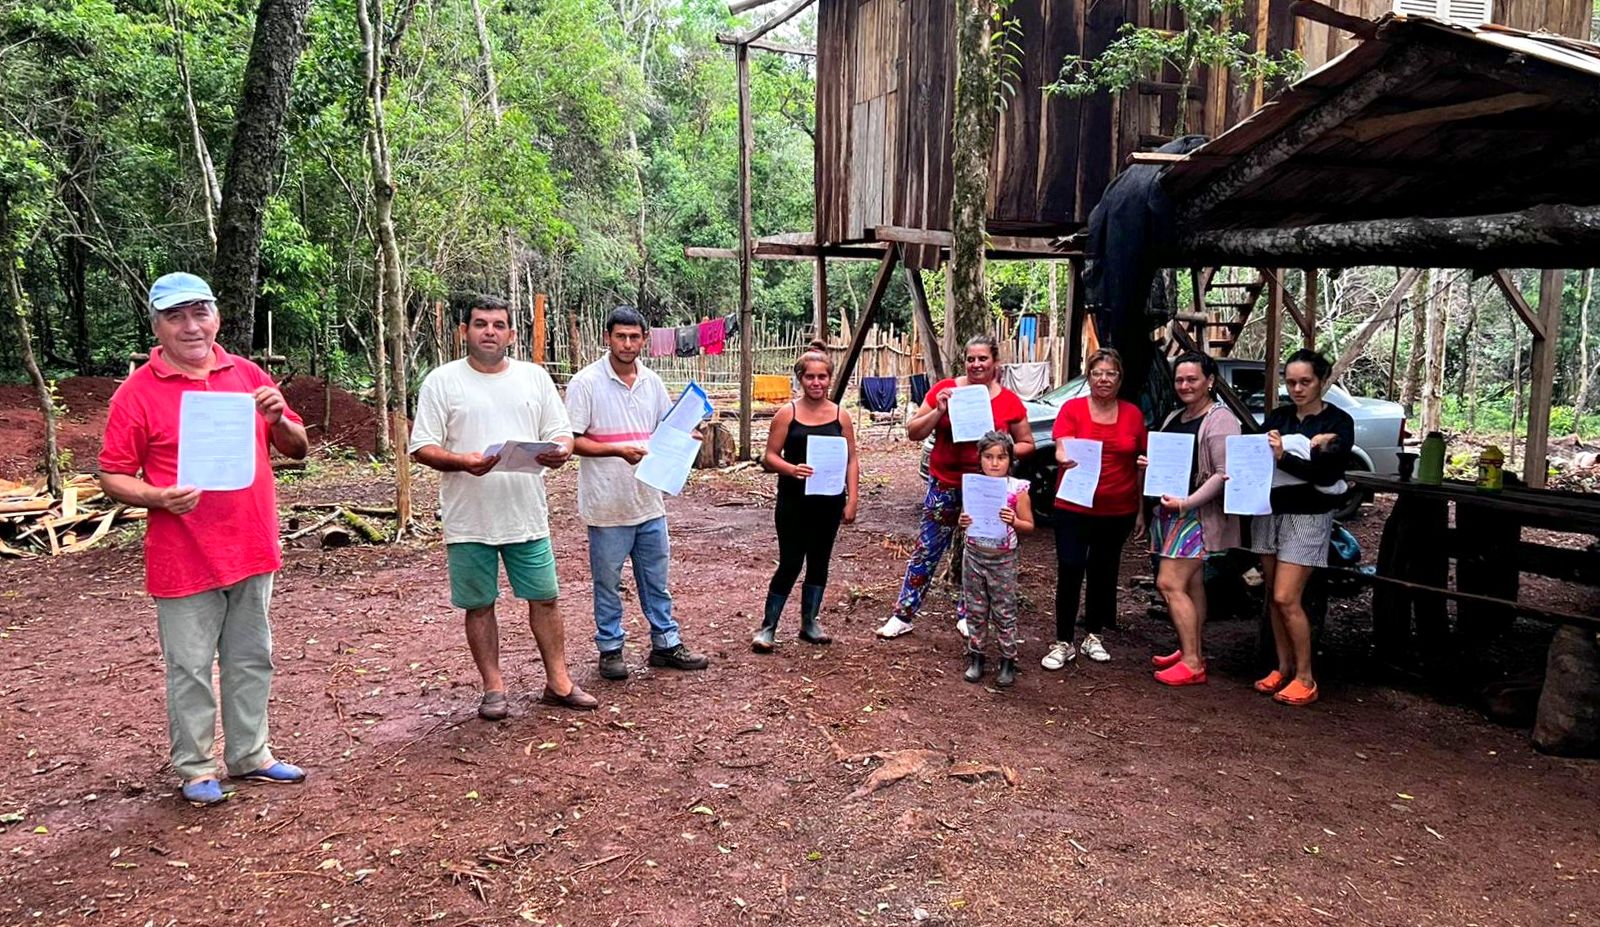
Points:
(946, 465)
(1089, 540)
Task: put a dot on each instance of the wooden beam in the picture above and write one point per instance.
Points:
(1152, 157)
(1321, 13)
(1389, 310)
(1289, 302)
(1508, 287)
(1398, 70)
(819, 300)
(747, 366)
(869, 313)
(735, 7)
(1313, 297)
(924, 322)
(1376, 127)
(1042, 246)
(764, 45)
(750, 35)
(1540, 236)
(1536, 463)
(1270, 355)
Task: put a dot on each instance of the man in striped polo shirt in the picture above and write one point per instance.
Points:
(614, 404)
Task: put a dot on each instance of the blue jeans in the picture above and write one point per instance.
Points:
(647, 544)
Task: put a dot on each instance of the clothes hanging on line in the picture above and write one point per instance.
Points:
(663, 342)
(919, 388)
(1028, 381)
(770, 388)
(878, 394)
(688, 339)
(711, 336)
(730, 325)
(1028, 328)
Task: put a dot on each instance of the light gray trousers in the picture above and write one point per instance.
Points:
(226, 627)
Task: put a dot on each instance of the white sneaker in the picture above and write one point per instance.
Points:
(961, 627)
(1061, 653)
(1094, 650)
(894, 627)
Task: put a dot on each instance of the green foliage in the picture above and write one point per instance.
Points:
(1006, 52)
(1206, 40)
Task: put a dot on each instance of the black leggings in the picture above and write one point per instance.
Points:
(1092, 545)
(806, 529)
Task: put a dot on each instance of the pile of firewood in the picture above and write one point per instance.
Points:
(34, 522)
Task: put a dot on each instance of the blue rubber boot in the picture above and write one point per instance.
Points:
(810, 606)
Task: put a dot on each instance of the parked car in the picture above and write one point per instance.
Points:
(1380, 430)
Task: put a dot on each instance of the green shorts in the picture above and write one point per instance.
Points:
(475, 572)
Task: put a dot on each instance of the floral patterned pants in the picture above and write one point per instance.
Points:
(989, 587)
(941, 510)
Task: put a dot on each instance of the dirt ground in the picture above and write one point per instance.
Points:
(734, 795)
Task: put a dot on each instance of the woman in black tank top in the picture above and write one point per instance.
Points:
(807, 524)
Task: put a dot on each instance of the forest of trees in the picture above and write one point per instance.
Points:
(569, 147)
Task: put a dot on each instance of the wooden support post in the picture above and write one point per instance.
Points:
(536, 349)
(1535, 465)
(1312, 296)
(869, 313)
(747, 365)
(819, 298)
(1077, 310)
(928, 337)
(1274, 330)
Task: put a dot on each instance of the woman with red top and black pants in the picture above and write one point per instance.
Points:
(1089, 540)
(941, 509)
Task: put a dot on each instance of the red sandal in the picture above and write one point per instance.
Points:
(1179, 674)
(1161, 662)
(1271, 683)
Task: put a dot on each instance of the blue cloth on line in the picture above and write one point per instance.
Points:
(919, 388)
(878, 393)
(1028, 327)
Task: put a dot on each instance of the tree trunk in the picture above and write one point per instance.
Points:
(253, 164)
(392, 301)
(380, 354)
(974, 126)
(19, 316)
(1580, 402)
(1472, 352)
(1433, 381)
(202, 153)
(1412, 390)
(486, 60)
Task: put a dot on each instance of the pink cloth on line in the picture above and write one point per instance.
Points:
(712, 335)
(662, 343)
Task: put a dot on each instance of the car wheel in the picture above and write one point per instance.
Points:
(1042, 494)
(1350, 505)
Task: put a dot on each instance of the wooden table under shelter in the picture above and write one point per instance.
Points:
(1482, 532)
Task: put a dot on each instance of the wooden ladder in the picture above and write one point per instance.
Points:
(1221, 308)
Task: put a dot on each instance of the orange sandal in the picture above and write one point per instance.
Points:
(1296, 693)
(1271, 683)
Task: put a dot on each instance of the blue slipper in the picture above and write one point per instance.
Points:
(279, 772)
(203, 792)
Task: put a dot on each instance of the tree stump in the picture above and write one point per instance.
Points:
(1569, 710)
(716, 448)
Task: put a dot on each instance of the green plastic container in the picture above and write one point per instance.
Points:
(1430, 466)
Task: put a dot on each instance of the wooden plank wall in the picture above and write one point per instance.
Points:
(885, 83)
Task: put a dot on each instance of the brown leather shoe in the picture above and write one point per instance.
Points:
(577, 699)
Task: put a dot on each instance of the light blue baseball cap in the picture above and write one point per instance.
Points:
(177, 289)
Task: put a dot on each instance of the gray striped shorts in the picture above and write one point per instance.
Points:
(1298, 539)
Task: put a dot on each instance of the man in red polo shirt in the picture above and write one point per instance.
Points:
(210, 556)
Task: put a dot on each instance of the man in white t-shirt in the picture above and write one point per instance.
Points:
(493, 515)
(614, 404)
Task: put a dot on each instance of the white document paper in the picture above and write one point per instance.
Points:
(827, 456)
(216, 440)
(971, 415)
(690, 410)
(1250, 470)
(672, 455)
(519, 456)
(1171, 466)
(982, 498)
(1079, 483)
